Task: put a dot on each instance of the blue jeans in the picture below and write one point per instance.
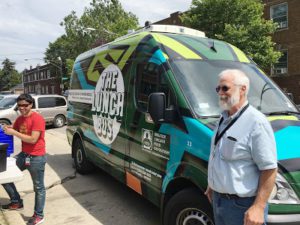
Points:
(231, 211)
(37, 171)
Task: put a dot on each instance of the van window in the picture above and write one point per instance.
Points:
(199, 79)
(48, 102)
(149, 79)
(60, 101)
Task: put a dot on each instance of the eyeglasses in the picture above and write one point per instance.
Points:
(223, 88)
(23, 105)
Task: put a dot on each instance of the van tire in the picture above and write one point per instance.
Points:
(82, 164)
(190, 205)
(59, 121)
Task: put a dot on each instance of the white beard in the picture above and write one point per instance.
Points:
(226, 103)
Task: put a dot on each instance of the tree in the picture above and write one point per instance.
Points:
(9, 76)
(103, 21)
(238, 22)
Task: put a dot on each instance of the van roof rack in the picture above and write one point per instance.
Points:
(165, 29)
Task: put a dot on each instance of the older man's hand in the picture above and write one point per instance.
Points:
(254, 215)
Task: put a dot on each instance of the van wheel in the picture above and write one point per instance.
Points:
(188, 207)
(59, 121)
(82, 164)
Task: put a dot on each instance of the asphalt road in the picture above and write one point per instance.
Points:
(91, 199)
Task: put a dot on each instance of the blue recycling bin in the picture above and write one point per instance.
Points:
(7, 139)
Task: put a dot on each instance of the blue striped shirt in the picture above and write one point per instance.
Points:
(245, 149)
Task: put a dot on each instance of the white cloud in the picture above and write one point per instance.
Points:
(27, 27)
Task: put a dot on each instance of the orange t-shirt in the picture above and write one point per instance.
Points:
(25, 125)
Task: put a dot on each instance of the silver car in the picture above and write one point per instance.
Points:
(52, 107)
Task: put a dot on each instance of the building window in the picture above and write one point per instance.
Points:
(279, 15)
(48, 74)
(281, 66)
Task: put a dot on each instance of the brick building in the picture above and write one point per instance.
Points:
(44, 79)
(174, 19)
(286, 73)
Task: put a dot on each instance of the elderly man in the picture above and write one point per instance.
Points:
(243, 164)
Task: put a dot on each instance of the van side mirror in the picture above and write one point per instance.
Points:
(157, 108)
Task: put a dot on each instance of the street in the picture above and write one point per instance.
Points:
(75, 199)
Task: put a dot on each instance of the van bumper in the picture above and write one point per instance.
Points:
(284, 219)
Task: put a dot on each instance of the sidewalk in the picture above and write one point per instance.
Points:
(11, 218)
(2, 219)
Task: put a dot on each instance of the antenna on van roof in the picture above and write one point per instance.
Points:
(212, 47)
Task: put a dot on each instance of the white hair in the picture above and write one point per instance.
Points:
(239, 78)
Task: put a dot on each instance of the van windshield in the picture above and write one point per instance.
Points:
(8, 102)
(198, 80)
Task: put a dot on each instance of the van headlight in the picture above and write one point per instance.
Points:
(282, 192)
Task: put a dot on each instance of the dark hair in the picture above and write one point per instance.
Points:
(26, 97)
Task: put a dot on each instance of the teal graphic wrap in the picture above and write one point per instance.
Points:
(288, 144)
(81, 77)
(190, 142)
(158, 57)
(104, 148)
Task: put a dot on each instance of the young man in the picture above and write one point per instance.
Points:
(243, 164)
(30, 128)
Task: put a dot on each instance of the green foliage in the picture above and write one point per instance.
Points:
(239, 22)
(9, 76)
(101, 22)
(69, 66)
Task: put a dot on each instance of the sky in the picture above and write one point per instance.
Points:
(27, 26)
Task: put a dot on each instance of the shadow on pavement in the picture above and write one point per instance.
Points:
(102, 196)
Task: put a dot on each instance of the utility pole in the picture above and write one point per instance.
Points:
(61, 76)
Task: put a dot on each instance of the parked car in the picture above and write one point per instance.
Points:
(7, 101)
(6, 93)
(52, 107)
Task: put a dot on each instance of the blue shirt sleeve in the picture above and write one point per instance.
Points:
(264, 146)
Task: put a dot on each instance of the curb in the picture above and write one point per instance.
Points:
(13, 218)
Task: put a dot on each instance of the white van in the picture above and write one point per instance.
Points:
(52, 107)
